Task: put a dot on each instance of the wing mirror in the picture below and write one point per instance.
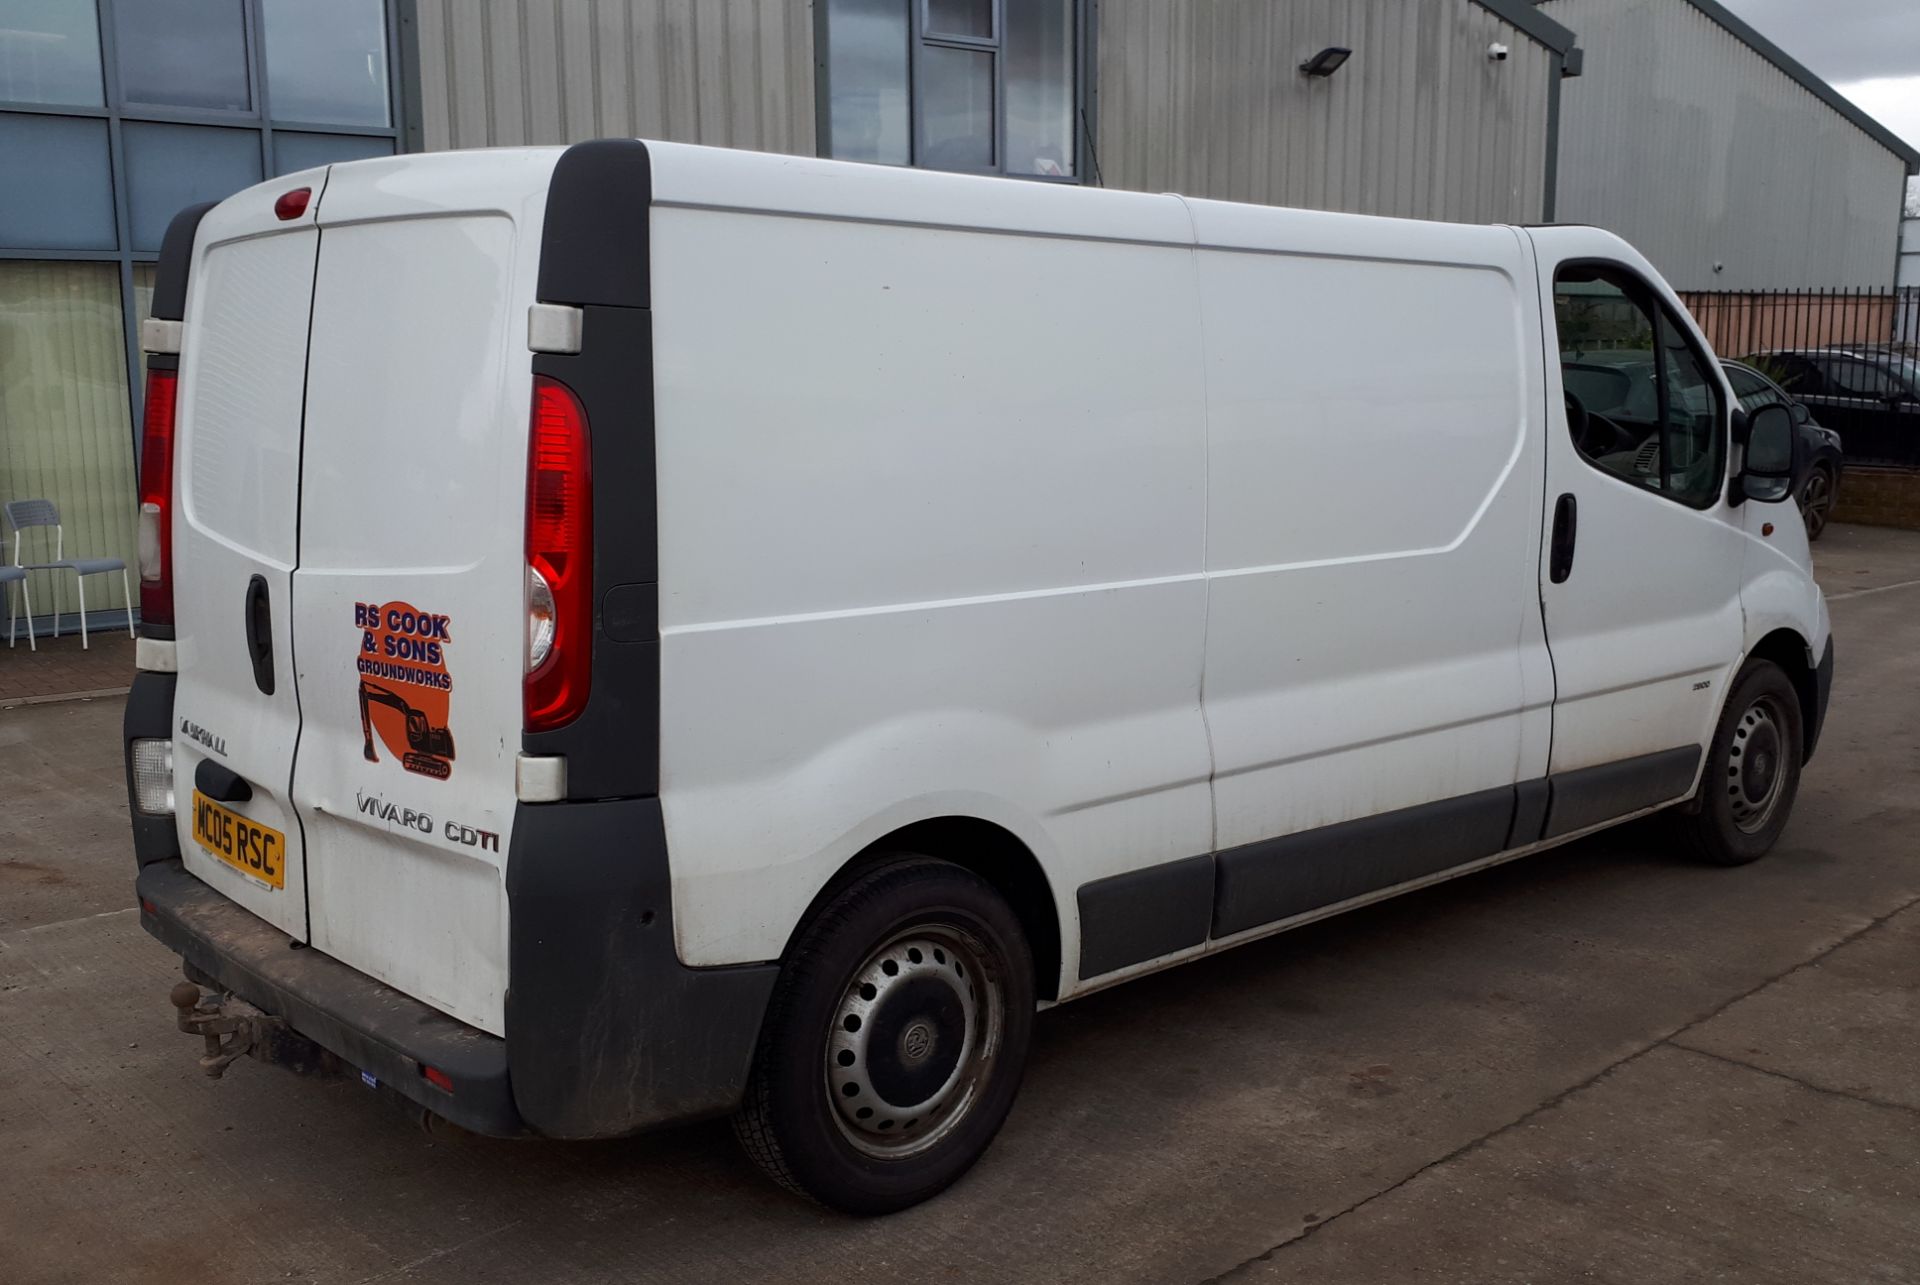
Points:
(1772, 463)
(1801, 415)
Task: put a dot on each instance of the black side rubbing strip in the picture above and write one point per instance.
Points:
(1279, 878)
(1143, 914)
(593, 255)
(1591, 795)
(1529, 812)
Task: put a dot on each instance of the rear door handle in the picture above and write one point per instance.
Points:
(260, 634)
(221, 783)
(1566, 526)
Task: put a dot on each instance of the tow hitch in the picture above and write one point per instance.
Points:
(233, 1028)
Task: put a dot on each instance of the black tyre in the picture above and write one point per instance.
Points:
(1816, 499)
(895, 1040)
(1752, 772)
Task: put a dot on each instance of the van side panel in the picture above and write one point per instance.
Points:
(930, 537)
(1374, 638)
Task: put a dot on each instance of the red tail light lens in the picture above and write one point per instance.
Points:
(156, 499)
(559, 656)
(292, 205)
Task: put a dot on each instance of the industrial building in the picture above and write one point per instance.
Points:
(1724, 160)
(115, 113)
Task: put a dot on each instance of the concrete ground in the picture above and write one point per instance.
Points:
(1600, 1064)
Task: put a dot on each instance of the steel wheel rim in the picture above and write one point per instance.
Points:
(1756, 766)
(1816, 498)
(918, 1050)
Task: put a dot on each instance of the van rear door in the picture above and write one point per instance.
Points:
(409, 617)
(237, 470)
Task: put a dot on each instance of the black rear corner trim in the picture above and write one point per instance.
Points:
(1130, 918)
(593, 256)
(374, 1027)
(594, 246)
(176, 260)
(608, 1032)
(148, 716)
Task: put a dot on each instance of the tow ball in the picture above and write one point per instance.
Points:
(233, 1028)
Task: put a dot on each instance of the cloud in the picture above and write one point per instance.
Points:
(1894, 102)
(1842, 40)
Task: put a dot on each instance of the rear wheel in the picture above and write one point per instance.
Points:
(895, 1040)
(1753, 771)
(1816, 499)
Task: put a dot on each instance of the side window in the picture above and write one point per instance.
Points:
(1796, 374)
(1847, 378)
(1752, 391)
(1641, 404)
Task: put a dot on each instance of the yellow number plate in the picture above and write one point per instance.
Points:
(255, 850)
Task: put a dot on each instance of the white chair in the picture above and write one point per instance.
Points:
(24, 515)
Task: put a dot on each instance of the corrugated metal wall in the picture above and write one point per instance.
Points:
(736, 73)
(1691, 145)
(1204, 98)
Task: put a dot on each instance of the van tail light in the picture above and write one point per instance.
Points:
(156, 498)
(559, 657)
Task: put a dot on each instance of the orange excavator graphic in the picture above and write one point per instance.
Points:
(429, 748)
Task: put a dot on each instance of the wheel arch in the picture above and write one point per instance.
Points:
(1788, 649)
(990, 851)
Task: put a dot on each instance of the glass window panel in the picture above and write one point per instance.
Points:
(142, 309)
(65, 429)
(867, 78)
(50, 52)
(327, 63)
(183, 53)
(956, 107)
(170, 167)
(57, 192)
(1039, 52)
(963, 17)
(294, 151)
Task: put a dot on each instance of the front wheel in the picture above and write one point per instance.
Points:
(1753, 770)
(895, 1040)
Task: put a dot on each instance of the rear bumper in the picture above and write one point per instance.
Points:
(389, 1035)
(608, 1033)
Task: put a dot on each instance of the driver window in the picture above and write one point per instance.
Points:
(1640, 403)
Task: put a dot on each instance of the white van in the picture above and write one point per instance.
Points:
(635, 632)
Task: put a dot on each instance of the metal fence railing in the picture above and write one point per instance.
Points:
(1851, 356)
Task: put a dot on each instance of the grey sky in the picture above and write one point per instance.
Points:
(1841, 40)
(1867, 49)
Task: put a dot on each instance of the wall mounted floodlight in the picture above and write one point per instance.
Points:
(1326, 62)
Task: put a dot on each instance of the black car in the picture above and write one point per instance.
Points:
(1819, 486)
(1870, 395)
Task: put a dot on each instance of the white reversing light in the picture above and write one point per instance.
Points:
(153, 775)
